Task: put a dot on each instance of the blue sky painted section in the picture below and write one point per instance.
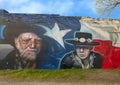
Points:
(61, 7)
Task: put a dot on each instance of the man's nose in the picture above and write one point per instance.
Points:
(81, 49)
(32, 44)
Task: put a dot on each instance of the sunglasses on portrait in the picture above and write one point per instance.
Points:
(84, 46)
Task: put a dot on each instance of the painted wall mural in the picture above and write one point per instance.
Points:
(57, 42)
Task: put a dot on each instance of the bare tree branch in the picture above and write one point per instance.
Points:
(106, 6)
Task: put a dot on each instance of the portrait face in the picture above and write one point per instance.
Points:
(83, 51)
(29, 45)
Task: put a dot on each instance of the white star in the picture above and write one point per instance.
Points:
(56, 33)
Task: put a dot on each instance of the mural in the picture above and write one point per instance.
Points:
(55, 42)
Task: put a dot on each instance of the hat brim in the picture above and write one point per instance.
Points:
(74, 42)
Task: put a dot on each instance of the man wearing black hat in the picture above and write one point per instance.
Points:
(82, 57)
(27, 44)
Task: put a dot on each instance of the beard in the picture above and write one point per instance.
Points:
(29, 54)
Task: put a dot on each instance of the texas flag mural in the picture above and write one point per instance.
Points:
(56, 42)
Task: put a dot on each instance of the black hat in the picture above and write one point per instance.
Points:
(82, 38)
(13, 30)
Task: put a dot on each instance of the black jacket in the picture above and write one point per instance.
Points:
(69, 61)
(13, 61)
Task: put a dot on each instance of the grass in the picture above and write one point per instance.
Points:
(63, 75)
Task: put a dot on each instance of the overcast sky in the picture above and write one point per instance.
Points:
(61, 7)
